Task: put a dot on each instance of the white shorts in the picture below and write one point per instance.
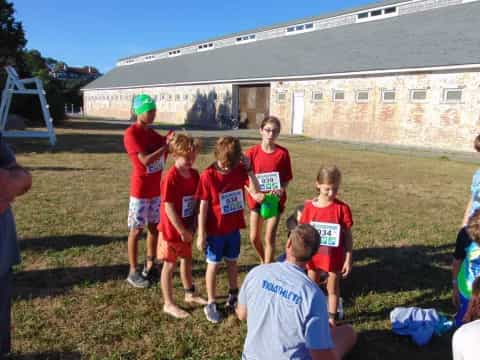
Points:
(143, 211)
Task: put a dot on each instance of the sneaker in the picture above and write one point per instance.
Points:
(136, 280)
(231, 303)
(212, 313)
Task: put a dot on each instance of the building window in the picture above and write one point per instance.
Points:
(246, 38)
(206, 46)
(300, 28)
(388, 96)
(149, 57)
(418, 95)
(338, 95)
(377, 14)
(177, 97)
(169, 97)
(185, 97)
(452, 96)
(281, 96)
(317, 96)
(362, 96)
(174, 53)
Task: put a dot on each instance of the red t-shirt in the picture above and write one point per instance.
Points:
(326, 220)
(179, 191)
(225, 196)
(145, 180)
(263, 163)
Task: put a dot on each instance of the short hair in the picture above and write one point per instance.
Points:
(473, 226)
(184, 145)
(305, 242)
(329, 174)
(228, 150)
(476, 143)
(271, 120)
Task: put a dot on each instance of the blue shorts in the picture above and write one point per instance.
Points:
(223, 246)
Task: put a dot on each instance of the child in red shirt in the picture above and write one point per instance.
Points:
(272, 167)
(221, 195)
(333, 220)
(177, 222)
(147, 151)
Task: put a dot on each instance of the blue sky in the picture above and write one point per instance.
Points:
(100, 32)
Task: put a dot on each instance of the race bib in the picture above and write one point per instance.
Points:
(269, 181)
(156, 166)
(187, 206)
(329, 233)
(231, 201)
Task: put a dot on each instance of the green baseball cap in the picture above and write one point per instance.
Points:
(143, 103)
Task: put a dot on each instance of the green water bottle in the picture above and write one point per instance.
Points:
(269, 206)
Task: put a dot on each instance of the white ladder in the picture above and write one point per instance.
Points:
(16, 86)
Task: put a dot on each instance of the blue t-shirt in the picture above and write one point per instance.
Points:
(475, 190)
(9, 253)
(286, 313)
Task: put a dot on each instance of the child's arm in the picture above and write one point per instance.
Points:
(177, 223)
(202, 222)
(147, 159)
(467, 212)
(14, 181)
(347, 265)
(456, 263)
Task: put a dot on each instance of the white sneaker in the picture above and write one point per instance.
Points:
(212, 313)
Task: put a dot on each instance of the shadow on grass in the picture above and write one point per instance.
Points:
(66, 242)
(54, 355)
(54, 282)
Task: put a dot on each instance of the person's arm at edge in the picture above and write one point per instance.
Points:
(147, 159)
(202, 222)
(347, 265)
(15, 181)
(241, 311)
(456, 263)
(466, 213)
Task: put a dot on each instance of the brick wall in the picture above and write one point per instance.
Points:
(432, 123)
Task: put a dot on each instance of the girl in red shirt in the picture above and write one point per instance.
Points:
(333, 220)
(272, 167)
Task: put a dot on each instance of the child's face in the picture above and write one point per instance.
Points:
(269, 132)
(148, 117)
(185, 162)
(328, 191)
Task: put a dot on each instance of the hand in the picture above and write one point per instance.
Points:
(170, 137)
(257, 196)
(346, 269)
(245, 161)
(186, 236)
(455, 297)
(201, 242)
(279, 192)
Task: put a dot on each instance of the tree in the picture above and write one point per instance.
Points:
(12, 39)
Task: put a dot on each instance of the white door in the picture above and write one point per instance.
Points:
(298, 111)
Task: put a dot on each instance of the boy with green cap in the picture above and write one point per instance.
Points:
(148, 152)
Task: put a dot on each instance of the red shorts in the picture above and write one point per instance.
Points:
(330, 259)
(171, 251)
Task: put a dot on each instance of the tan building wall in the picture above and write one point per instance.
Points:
(431, 123)
(204, 104)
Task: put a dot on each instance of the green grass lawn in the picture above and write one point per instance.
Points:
(72, 301)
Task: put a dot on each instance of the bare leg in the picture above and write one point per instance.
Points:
(270, 238)
(333, 289)
(232, 271)
(152, 237)
(186, 275)
(344, 338)
(132, 246)
(256, 222)
(211, 281)
(169, 306)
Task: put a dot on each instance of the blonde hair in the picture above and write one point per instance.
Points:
(473, 226)
(329, 174)
(228, 151)
(473, 310)
(184, 145)
(305, 242)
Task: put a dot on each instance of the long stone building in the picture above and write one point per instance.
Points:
(394, 72)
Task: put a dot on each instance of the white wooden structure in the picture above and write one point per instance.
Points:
(15, 85)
